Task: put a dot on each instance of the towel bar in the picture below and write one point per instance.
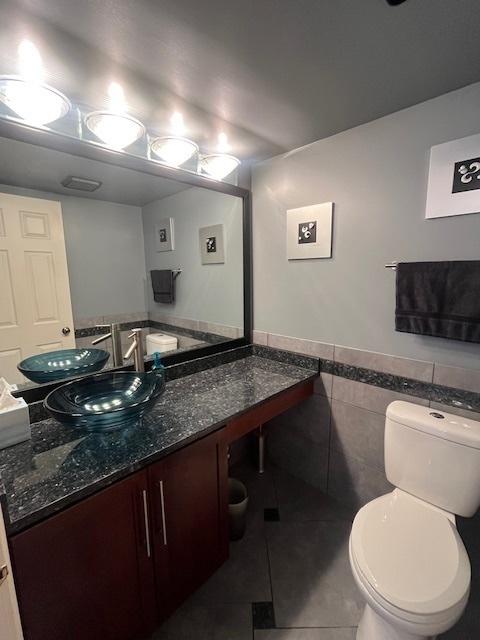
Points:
(391, 265)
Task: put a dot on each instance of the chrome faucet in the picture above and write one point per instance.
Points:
(137, 349)
(114, 334)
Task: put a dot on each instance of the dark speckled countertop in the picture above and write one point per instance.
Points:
(60, 465)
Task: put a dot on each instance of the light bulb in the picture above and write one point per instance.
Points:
(30, 62)
(223, 145)
(177, 125)
(116, 97)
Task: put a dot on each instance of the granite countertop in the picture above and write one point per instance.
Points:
(60, 465)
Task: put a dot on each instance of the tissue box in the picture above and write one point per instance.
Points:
(14, 425)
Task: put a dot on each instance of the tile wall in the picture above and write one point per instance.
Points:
(334, 440)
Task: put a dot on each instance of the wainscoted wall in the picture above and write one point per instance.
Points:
(335, 439)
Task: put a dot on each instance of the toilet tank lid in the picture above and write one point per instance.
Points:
(161, 338)
(436, 423)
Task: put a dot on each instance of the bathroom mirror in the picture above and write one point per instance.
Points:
(90, 242)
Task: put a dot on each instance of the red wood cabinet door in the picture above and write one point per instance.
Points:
(188, 529)
(86, 572)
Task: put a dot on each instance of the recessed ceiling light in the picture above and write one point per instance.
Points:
(173, 150)
(219, 165)
(116, 130)
(37, 104)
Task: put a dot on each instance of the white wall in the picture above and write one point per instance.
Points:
(105, 254)
(376, 174)
(210, 293)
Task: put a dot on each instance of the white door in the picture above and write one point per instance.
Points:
(34, 289)
(10, 628)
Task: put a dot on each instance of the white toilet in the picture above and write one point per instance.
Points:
(406, 555)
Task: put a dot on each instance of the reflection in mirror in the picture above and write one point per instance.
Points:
(90, 251)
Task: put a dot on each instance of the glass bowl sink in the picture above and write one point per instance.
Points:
(106, 401)
(57, 365)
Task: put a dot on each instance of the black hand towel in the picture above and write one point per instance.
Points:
(163, 284)
(439, 299)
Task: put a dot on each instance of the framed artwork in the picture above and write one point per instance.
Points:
(309, 232)
(212, 249)
(454, 178)
(164, 240)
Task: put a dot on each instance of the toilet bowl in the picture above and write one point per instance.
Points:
(406, 555)
(411, 567)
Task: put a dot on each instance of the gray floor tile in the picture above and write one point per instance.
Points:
(261, 494)
(346, 633)
(311, 577)
(244, 578)
(300, 502)
(214, 622)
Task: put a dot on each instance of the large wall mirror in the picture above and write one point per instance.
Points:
(88, 247)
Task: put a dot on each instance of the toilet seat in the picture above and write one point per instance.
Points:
(410, 558)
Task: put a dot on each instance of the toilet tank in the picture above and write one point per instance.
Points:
(434, 456)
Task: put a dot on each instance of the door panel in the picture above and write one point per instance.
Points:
(42, 284)
(85, 573)
(34, 288)
(187, 545)
(8, 316)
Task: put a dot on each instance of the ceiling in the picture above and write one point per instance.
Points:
(279, 73)
(29, 166)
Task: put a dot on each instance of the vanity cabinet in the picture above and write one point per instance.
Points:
(86, 572)
(117, 563)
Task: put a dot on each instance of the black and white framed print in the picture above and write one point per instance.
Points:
(454, 178)
(309, 232)
(212, 249)
(164, 235)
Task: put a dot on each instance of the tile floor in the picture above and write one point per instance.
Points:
(289, 577)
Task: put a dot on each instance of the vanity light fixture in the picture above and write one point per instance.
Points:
(116, 130)
(27, 95)
(173, 150)
(114, 127)
(219, 165)
(37, 104)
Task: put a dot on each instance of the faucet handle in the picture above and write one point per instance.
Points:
(102, 338)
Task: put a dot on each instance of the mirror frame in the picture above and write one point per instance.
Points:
(73, 146)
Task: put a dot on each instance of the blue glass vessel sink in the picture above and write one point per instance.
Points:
(106, 401)
(57, 365)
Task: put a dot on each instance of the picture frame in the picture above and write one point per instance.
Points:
(309, 232)
(164, 235)
(212, 245)
(454, 178)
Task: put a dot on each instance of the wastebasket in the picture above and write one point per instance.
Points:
(237, 508)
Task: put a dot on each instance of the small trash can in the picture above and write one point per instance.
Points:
(237, 508)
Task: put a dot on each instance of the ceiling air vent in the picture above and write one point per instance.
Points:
(81, 184)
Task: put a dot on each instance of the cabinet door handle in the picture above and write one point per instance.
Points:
(146, 522)
(162, 502)
(3, 573)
